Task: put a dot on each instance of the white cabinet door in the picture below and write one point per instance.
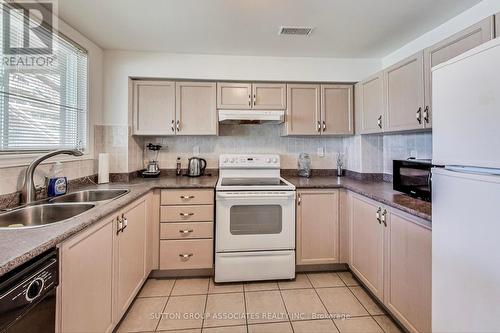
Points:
(269, 96)
(372, 104)
(234, 95)
(153, 107)
(337, 109)
(404, 85)
(196, 108)
(303, 116)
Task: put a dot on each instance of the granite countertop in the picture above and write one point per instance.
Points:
(20, 245)
(377, 190)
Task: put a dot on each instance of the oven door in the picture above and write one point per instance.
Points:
(253, 221)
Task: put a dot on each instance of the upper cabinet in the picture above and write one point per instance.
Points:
(174, 108)
(497, 25)
(449, 48)
(246, 96)
(154, 107)
(371, 103)
(314, 109)
(404, 93)
(337, 109)
(195, 101)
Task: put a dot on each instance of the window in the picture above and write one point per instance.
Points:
(45, 107)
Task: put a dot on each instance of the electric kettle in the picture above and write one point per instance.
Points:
(196, 166)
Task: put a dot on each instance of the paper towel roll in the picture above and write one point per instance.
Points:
(103, 174)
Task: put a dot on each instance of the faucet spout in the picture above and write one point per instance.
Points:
(28, 192)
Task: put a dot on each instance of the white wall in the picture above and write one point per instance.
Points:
(120, 65)
(469, 17)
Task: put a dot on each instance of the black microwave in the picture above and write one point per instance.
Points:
(413, 177)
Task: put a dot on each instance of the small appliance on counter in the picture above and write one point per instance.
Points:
(413, 177)
(196, 167)
(153, 168)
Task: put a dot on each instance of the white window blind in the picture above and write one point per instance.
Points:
(43, 108)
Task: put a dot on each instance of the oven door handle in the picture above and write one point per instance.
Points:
(252, 195)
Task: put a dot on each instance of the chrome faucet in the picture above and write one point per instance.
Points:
(28, 193)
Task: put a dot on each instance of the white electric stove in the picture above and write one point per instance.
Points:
(255, 220)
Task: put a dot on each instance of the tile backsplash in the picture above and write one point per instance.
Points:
(402, 146)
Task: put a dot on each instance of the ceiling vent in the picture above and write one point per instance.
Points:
(301, 31)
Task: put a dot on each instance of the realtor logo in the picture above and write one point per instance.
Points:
(27, 33)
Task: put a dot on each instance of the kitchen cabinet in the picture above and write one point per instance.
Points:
(407, 291)
(86, 278)
(404, 94)
(195, 101)
(497, 25)
(130, 259)
(337, 109)
(317, 227)
(303, 115)
(153, 107)
(186, 229)
(372, 104)
(367, 244)
(449, 48)
(246, 96)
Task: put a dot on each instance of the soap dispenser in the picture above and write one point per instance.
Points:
(57, 184)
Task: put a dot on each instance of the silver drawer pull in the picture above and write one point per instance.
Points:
(185, 197)
(186, 214)
(186, 231)
(185, 255)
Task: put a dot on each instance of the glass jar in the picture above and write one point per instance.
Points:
(304, 165)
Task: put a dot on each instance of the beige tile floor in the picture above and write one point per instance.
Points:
(313, 302)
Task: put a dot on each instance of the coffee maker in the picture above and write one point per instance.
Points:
(153, 168)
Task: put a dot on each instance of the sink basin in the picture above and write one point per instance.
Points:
(40, 215)
(91, 195)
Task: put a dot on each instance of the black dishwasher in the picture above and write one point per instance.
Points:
(28, 296)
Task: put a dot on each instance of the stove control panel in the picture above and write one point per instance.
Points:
(250, 161)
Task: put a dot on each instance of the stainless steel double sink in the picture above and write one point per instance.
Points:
(56, 210)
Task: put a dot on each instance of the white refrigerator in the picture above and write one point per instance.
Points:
(466, 192)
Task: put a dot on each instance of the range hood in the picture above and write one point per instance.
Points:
(251, 116)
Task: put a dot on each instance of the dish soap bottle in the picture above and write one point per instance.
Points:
(57, 184)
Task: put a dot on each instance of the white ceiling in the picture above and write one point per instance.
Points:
(342, 28)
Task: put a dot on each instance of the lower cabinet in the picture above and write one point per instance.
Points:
(317, 227)
(101, 270)
(391, 254)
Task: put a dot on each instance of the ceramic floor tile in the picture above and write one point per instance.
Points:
(303, 304)
(387, 324)
(365, 299)
(348, 278)
(265, 306)
(227, 329)
(340, 301)
(195, 330)
(301, 281)
(190, 286)
(316, 326)
(324, 280)
(140, 317)
(358, 325)
(183, 312)
(272, 327)
(220, 288)
(225, 310)
(157, 288)
(258, 286)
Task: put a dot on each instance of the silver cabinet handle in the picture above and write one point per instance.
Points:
(119, 225)
(178, 125)
(318, 126)
(185, 255)
(419, 115)
(186, 214)
(254, 99)
(187, 231)
(186, 197)
(125, 222)
(249, 100)
(173, 127)
(378, 215)
(379, 122)
(426, 114)
(299, 200)
(384, 216)
(324, 125)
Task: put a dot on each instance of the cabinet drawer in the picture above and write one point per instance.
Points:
(186, 230)
(186, 254)
(187, 197)
(186, 213)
